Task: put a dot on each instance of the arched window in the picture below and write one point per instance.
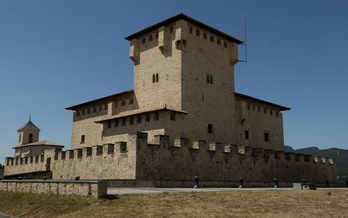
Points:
(30, 138)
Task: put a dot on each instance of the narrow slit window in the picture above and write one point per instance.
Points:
(172, 116)
(212, 38)
(210, 128)
(156, 116)
(266, 136)
(147, 117)
(130, 120)
(246, 134)
(82, 139)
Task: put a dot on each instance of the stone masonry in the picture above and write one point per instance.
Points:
(136, 159)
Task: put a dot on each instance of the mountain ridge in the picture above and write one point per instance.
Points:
(341, 156)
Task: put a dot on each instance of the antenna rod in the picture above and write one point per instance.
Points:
(245, 40)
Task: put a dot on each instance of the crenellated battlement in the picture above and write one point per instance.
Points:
(180, 158)
(202, 145)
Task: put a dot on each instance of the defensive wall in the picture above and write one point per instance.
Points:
(136, 159)
(2, 168)
(96, 189)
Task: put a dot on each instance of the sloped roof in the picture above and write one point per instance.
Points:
(137, 112)
(28, 126)
(40, 143)
(282, 108)
(74, 107)
(188, 19)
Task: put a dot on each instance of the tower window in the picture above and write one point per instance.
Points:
(131, 101)
(266, 136)
(246, 134)
(30, 138)
(191, 29)
(198, 33)
(172, 116)
(130, 120)
(204, 35)
(147, 117)
(155, 78)
(210, 79)
(171, 29)
(143, 40)
(218, 41)
(139, 119)
(82, 139)
(225, 44)
(150, 38)
(156, 117)
(212, 38)
(210, 128)
(123, 147)
(19, 138)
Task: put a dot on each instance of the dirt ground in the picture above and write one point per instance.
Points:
(270, 203)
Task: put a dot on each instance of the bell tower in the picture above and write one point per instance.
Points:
(28, 133)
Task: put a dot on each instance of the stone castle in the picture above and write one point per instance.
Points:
(182, 119)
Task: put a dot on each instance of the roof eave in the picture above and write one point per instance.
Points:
(282, 108)
(99, 99)
(187, 18)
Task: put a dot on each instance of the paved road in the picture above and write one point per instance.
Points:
(125, 191)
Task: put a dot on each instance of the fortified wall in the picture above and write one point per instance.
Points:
(1, 171)
(136, 159)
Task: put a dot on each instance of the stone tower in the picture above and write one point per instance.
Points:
(186, 65)
(28, 133)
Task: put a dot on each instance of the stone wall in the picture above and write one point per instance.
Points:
(259, 119)
(214, 161)
(96, 189)
(1, 171)
(182, 160)
(17, 165)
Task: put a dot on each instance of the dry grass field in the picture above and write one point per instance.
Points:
(275, 203)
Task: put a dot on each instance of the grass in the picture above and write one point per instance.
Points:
(276, 203)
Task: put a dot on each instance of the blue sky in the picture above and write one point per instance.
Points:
(55, 54)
